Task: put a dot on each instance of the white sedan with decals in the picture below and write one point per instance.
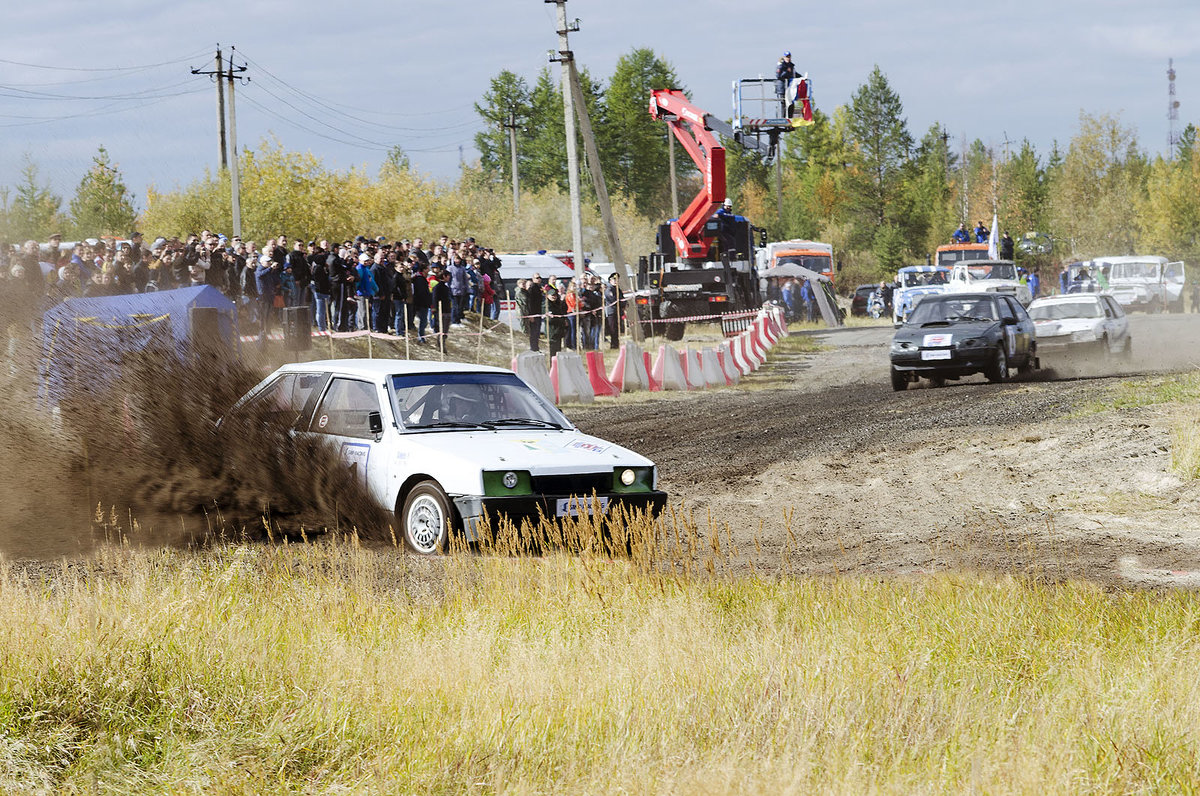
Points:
(1081, 323)
(444, 444)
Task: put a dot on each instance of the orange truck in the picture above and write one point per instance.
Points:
(953, 253)
(810, 254)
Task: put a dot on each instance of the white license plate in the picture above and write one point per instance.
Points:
(943, 354)
(573, 507)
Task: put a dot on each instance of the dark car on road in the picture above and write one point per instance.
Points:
(860, 301)
(951, 335)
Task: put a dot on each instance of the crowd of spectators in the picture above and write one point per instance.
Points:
(399, 288)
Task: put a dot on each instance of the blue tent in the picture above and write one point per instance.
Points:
(85, 340)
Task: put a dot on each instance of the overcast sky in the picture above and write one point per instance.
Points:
(407, 73)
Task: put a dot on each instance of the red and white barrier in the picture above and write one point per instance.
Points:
(654, 386)
(689, 360)
(570, 380)
(601, 385)
(667, 370)
(630, 371)
(725, 356)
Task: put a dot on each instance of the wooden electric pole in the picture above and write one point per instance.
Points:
(235, 180)
(218, 75)
(511, 125)
(564, 53)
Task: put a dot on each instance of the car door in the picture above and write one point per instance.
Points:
(1022, 329)
(1117, 323)
(288, 398)
(349, 414)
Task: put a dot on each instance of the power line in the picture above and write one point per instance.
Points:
(101, 68)
(341, 108)
(103, 111)
(148, 93)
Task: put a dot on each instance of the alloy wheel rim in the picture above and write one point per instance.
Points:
(424, 523)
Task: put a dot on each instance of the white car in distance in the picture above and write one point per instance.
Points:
(444, 444)
(989, 276)
(1081, 324)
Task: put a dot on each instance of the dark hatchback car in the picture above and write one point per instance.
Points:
(951, 335)
(860, 300)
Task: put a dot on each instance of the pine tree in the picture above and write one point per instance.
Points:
(34, 213)
(881, 143)
(508, 96)
(102, 205)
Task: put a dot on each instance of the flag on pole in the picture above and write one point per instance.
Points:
(993, 254)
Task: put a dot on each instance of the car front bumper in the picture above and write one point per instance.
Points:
(960, 363)
(474, 509)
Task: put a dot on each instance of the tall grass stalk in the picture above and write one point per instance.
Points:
(586, 668)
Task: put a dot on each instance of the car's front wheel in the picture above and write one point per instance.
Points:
(426, 518)
(899, 381)
(998, 372)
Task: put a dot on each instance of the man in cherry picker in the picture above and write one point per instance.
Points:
(785, 73)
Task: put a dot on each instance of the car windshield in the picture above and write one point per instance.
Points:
(471, 400)
(949, 258)
(814, 262)
(937, 309)
(1061, 310)
(993, 271)
(1145, 270)
(920, 279)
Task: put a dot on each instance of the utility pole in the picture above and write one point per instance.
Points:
(779, 181)
(218, 74)
(564, 57)
(610, 223)
(511, 125)
(235, 180)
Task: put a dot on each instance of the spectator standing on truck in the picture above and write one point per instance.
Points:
(961, 235)
(785, 73)
(1006, 247)
(981, 232)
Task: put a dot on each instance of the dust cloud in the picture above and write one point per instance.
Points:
(129, 449)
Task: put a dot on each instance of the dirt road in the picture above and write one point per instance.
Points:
(833, 472)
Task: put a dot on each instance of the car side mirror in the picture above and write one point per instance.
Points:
(1010, 321)
(375, 423)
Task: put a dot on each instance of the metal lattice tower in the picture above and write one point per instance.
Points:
(1172, 110)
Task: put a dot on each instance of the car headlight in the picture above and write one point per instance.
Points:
(972, 342)
(633, 479)
(1084, 336)
(903, 345)
(500, 483)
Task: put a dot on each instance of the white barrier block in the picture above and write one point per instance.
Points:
(693, 369)
(574, 386)
(733, 373)
(629, 371)
(710, 368)
(667, 370)
(535, 371)
(738, 353)
(751, 351)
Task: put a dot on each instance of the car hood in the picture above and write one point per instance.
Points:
(1065, 326)
(544, 452)
(909, 333)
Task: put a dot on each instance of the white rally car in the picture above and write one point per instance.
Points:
(445, 443)
(1081, 323)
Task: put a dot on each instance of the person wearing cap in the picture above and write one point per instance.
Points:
(785, 73)
(266, 283)
(365, 290)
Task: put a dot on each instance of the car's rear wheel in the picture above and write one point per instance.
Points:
(899, 381)
(937, 381)
(998, 372)
(426, 518)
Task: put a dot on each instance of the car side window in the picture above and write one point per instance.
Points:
(1019, 309)
(345, 408)
(285, 398)
(1114, 307)
(1007, 313)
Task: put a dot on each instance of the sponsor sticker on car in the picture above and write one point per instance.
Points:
(574, 506)
(936, 340)
(943, 353)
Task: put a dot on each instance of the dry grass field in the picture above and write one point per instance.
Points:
(329, 667)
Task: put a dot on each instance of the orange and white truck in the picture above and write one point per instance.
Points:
(810, 254)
